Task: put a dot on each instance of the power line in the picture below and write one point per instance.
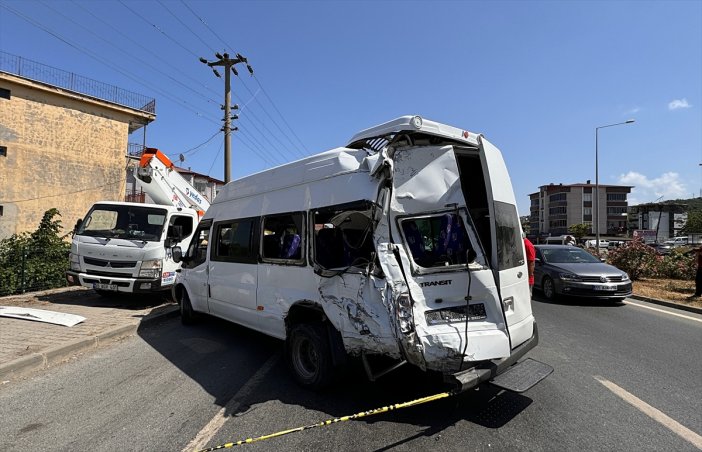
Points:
(129, 54)
(279, 113)
(158, 28)
(36, 24)
(184, 25)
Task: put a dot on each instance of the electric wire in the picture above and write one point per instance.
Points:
(184, 25)
(131, 55)
(116, 68)
(138, 44)
(159, 29)
(279, 113)
(248, 89)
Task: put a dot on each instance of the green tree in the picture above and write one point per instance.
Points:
(694, 222)
(579, 230)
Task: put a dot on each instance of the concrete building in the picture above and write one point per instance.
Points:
(555, 207)
(63, 141)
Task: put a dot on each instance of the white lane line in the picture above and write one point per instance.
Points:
(655, 414)
(208, 431)
(663, 311)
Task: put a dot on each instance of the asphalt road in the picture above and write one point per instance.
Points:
(218, 382)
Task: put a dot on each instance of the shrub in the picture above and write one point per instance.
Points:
(34, 261)
(637, 259)
(679, 264)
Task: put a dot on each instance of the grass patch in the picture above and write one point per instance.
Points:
(674, 290)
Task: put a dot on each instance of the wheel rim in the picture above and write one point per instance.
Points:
(305, 358)
(548, 288)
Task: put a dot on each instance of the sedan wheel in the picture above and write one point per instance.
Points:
(549, 288)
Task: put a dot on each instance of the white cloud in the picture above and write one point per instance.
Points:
(678, 103)
(667, 185)
(633, 111)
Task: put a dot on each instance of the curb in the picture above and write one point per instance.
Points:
(669, 304)
(55, 355)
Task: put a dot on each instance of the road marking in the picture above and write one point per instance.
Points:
(657, 415)
(208, 431)
(664, 311)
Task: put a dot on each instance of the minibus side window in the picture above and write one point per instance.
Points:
(343, 236)
(283, 237)
(234, 241)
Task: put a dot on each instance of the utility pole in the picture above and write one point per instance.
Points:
(228, 64)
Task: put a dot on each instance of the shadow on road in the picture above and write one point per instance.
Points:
(117, 301)
(577, 301)
(222, 358)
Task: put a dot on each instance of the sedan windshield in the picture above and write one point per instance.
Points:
(568, 255)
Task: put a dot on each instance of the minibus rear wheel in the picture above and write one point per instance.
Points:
(308, 355)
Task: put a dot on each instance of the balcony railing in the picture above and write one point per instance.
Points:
(13, 64)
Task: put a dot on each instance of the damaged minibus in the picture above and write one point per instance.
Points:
(403, 247)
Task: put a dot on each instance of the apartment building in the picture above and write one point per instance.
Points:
(555, 207)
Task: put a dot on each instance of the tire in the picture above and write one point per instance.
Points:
(308, 355)
(548, 288)
(187, 314)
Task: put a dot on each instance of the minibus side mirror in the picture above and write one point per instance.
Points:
(177, 254)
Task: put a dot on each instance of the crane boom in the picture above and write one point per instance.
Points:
(157, 176)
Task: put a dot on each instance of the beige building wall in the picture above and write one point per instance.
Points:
(64, 151)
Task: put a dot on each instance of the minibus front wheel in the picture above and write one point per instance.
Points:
(309, 356)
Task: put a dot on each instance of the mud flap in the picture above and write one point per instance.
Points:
(522, 376)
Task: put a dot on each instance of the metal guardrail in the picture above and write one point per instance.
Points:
(13, 64)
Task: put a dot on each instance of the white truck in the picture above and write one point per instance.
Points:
(126, 247)
(402, 247)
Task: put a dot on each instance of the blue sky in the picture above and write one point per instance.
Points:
(536, 78)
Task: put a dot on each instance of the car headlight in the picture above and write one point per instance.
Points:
(569, 277)
(74, 260)
(625, 277)
(150, 268)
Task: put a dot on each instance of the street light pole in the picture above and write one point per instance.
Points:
(597, 181)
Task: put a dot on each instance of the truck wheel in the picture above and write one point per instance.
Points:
(549, 288)
(308, 355)
(187, 314)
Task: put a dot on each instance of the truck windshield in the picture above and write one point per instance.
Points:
(438, 240)
(124, 222)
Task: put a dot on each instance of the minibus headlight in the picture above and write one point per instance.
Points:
(150, 268)
(74, 260)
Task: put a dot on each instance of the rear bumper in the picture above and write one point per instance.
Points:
(127, 285)
(467, 379)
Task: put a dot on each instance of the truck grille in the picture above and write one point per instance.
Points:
(113, 264)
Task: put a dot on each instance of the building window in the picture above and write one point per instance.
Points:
(616, 210)
(1, 211)
(557, 224)
(4, 93)
(557, 211)
(587, 210)
(3, 151)
(557, 197)
(616, 196)
(587, 197)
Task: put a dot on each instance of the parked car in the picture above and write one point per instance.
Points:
(572, 271)
(591, 243)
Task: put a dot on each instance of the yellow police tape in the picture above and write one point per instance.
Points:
(384, 409)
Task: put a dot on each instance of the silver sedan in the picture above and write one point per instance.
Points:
(572, 271)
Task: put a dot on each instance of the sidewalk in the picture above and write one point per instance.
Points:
(27, 345)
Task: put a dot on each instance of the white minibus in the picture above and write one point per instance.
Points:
(404, 244)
